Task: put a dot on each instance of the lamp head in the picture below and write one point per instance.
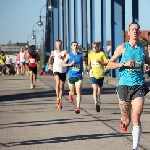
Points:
(27, 46)
(40, 23)
(33, 36)
(50, 8)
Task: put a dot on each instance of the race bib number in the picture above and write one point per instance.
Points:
(76, 67)
(94, 63)
(60, 64)
(32, 60)
(137, 66)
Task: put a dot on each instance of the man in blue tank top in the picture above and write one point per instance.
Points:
(131, 89)
(74, 62)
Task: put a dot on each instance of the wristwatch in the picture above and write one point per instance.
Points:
(123, 64)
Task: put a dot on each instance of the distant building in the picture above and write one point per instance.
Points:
(144, 36)
(12, 48)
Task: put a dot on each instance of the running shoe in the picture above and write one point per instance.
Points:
(60, 105)
(34, 86)
(57, 101)
(123, 127)
(70, 98)
(97, 107)
(31, 86)
(77, 110)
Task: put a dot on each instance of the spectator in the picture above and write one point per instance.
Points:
(147, 48)
(42, 70)
(107, 71)
(85, 67)
(2, 61)
(47, 70)
(8, 63)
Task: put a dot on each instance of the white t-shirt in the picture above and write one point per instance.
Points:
(8, 60)
(57, 66)
(22, 56)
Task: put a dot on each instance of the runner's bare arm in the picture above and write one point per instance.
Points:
(112, 64)
(50, 61)
(65, 52)
(105, 60)
(64, 63)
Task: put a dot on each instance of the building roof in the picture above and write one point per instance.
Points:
(144, 36)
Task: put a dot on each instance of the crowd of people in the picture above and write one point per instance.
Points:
(20, 65)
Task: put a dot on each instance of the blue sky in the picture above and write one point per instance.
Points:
(19, 16)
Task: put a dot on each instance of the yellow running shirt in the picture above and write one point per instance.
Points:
(97, 69)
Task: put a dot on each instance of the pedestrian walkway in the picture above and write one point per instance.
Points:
(30, 120)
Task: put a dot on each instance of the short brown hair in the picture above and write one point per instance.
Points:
(95, 43)
(134, 23)
(74, 42)
(59, 41)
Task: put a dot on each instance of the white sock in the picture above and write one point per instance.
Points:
(136, 133)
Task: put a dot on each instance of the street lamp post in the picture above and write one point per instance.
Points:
(27, 45)
(40, 64)
(40, 23)
(34, 36)
(42, 37)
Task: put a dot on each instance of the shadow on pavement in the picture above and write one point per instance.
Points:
(49, 93)
(23, 96)
(65, 139)
(44, 123)
(89, 91)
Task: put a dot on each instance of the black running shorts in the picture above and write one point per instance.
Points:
(62, 76)
(129, 93)
(33, 69)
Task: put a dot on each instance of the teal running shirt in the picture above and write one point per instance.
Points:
(134, 75)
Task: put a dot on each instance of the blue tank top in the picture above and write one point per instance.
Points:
(77, 69)
(134, 75)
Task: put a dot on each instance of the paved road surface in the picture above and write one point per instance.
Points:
(30, 120)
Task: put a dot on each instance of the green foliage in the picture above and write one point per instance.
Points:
(145, 43)
(148, 43)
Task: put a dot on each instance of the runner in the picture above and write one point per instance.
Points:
(26, 62)
(17, 64)
(131, 89)
(96, 62)
(22, 61)
(32, 57)
(58, 71)
(74, 62)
